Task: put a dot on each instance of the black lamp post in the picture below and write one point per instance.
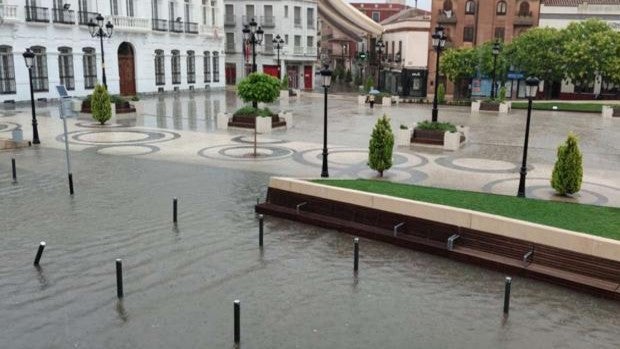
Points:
(439, 41)
(29, 58)
(531, 90)
(96, 31)
(379, 46)
(279, 44)
(255, 37)
(326, 74)
(495, 50)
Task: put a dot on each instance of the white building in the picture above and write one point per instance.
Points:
(156, 45)
(559, 14)
(294, 20)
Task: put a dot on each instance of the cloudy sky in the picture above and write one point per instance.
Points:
(423, 4)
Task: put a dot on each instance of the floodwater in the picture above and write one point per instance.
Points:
(180, 282)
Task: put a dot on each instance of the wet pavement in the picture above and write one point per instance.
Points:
(300, 290)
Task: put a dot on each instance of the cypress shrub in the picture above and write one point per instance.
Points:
(568, 169)
(381, 146)
(100, 104)
(441, 94)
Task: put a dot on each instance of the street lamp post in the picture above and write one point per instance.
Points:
(279, 44)
(29, 58)
(380, 45)
(255, 37)
(439, 41)
(326, 74)
(495, 50)
(96, 31)
(531, 90)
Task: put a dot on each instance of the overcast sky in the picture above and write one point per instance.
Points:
(423, 4)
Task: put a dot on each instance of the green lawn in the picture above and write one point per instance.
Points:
(595, 220)
(578, 107)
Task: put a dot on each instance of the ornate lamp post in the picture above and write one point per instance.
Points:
(96, 31)
(495, 50)
(439, 41)
(326, 74)
(253, 36)
(531, 90)
(379, 46)
(29, 58)
(278, 44)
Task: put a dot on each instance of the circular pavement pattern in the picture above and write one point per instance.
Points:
(477, 165)
(114, 137)
(260, 140)
(7, 126)
(98, 125)
(127, 150)
(343, 157)
(245, 152)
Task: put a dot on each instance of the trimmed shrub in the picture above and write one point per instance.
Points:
(381, 146)
(248, 110)
(441, 94)
(568, 169)
(440, 126)
(259, 88)
(370, 83)
(501, 96)
(100, 104)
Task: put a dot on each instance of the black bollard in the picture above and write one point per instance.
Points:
(507, 295)
(237, 321)
(260, 230)
(119, 278)
(356, 253)
(174, 209)
(39, 253)
(70, 183)
(14, 170)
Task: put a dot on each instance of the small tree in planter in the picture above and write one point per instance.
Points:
(381, 146)
(568, 169)
(284, 83)
(100, 104)
(259, 87)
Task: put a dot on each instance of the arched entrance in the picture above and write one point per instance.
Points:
(126, 69)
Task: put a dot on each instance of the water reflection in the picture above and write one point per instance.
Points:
(177, 113)
(191, 113)
(161, 112)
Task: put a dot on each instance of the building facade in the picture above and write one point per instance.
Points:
(559, 14)
(471, 23)
(296, 23)
(380, 11)
(156, 45)
(405, 55)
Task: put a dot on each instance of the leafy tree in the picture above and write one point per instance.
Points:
(259, 87)
(100, 104)
(441, 94)
(568, 169)
(381, 146)
(370, 83)
(501, 96)
(459, 64)
(590, 48)
(486, 59)
(538, 52)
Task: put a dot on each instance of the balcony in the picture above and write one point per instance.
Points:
(160, 25)
(85, 17)
(37, 14)
(298, 50)
(268, 21)
(311, 51)
(191, 27)
(230, 47)
(132, 24)
(524, 19)
(176, 26)
(229, 20)
(445, 19)
(268, 49)
(63, 16)
(297, 22)
(8, 12)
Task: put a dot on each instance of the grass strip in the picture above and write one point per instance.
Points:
(595, 220)
(574, 107)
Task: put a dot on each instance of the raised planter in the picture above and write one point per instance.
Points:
(117, 108)
(610, 112)
(446, 140)
(262, 124)
(403, 137)
(386, 101)
(222, 120)
(475, 106)
(287, 117)
(283, 94)
(489, 106)
(452, 140)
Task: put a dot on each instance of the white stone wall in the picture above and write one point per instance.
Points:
(137, 31)
(414, 35)
(284, 26)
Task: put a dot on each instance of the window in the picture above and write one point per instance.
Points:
(310, 17)
(376, 16)
(297, 16)
(286, 39)
(114, 7)
(213, 11)
(216, 67)
(501, 8)
(468, 34)
(7, 70)
(524, 9)
(160, 68)
(154, 9)
(297, 40)
(470, 7)
(207, 66)
(249, 11)
(39, 70)
(268, 43)
(447, 5)
(499, 34)
(310, 41)
(230, 42)
(65, 67)
(171, 11)
(175, 62)
(130, 8)
(285, 11)
(204, 11)
(191, 67)
(393, 51)
(89, 60)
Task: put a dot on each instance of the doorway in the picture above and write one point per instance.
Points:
(126, 70)
(308, 77)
